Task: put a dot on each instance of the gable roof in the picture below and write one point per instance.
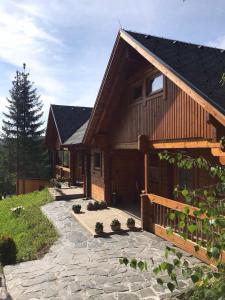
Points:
(201, 66)
(77, 136)
(194, 68)
(68, 119)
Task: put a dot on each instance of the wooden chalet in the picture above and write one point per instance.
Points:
(64, 135)
(156, 94)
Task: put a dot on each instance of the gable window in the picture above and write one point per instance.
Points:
(154, 85)
(97, 160)
(137, 92)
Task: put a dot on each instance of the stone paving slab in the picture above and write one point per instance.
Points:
(88, 219)
(79, 266)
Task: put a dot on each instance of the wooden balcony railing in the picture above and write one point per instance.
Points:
(155, 211)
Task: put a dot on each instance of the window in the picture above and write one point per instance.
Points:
(137, 92)
(154, 85)
(97, 160)
(63, 158)
(66, 158)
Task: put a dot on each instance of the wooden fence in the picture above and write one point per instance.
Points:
(154, 214)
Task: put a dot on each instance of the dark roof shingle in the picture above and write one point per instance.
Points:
(68, 119)
(201, 66)
(77, 136)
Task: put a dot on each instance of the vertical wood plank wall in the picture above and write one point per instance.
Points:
(175, 117)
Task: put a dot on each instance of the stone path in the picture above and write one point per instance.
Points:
(79, 266)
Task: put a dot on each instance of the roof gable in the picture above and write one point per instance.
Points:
(190, 67)
(68, 119)
(199, 65)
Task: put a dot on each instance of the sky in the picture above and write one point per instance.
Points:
(66, 44)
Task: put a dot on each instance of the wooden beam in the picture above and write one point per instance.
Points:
(222, 160)
(173, 76)
(178, 206)
(122, 146)
(217, 152)
(183, 145)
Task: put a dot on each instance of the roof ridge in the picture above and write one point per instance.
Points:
(175, 40)
(75, 106)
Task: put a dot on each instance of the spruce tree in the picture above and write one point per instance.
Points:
(24, 153)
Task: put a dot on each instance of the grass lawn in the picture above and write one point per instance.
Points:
(31, 231)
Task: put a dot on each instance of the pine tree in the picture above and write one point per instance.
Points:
(24, 153)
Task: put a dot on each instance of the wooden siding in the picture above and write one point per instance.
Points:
(170, 116)
(24, 186)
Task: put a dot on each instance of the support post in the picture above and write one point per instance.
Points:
(147, 213)
(146, 172)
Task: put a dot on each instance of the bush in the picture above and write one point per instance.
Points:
(90, 206)
(102, 205)
(7, 251)
(96, 205)
(130, 222)
(76, 208)
(98, 227)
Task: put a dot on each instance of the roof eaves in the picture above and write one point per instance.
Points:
(56, 124)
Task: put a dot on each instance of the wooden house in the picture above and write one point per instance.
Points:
(64, 135)
(156, 94)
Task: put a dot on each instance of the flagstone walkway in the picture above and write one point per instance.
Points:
(79, 266)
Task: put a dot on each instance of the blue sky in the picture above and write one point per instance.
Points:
(66, 44)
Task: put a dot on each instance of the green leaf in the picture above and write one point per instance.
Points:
(141, 265)
(133, 263)
(124, 260)
(194, 278)
(171, 286)
(215, 251)
(172, 216)
(156, 270)
(179, 254)
(169, 231)
(184, 192)
(176, 262)
(181, 224)
(192, 228)
(160, 281)
(186, 210)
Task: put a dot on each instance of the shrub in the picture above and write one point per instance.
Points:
(115, 222)
(76, 208)
(102, 205)
(96, 205)
(115, 225)
(98, 227)
(90, 206)
(7, 251)
(130, 222)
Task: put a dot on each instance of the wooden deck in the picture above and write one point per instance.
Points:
(66, 193)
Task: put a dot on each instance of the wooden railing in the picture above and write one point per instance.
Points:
(155, 211)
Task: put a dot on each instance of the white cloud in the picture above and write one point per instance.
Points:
(24, 40)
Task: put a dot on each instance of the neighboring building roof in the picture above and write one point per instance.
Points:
(201, 66)
(68, 119)
(77, 136)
